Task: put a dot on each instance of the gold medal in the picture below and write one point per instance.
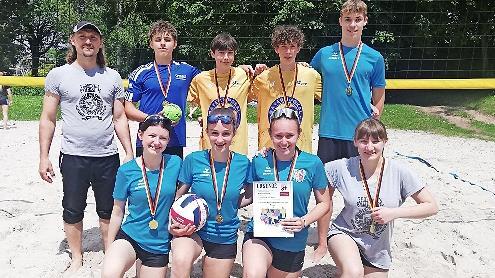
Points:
(286, 99)
(349, 75)
(152, 203)
(373, 203)
(348, 90)
(372, 227)
(219, 218)
(226, 88)
(153, 224)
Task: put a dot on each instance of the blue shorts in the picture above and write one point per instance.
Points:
(147, 258)
(282, 260)
(4, 101)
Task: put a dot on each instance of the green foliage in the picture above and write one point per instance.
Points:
(413, 36)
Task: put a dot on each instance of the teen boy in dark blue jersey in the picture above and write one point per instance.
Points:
(163, 82)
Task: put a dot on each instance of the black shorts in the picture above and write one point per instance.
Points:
(282, 260)
(330, 149)
(81, 172)
(4, 101)
(364, 261)
(220, 251)
(147, 258)
(178, 151)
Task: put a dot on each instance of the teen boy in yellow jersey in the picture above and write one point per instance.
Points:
(225, 86)
(287, 84)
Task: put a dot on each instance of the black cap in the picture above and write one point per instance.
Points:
(85, 24)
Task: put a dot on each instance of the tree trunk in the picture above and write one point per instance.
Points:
(35, 57)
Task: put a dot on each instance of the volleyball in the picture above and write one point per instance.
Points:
(190, 209)
(172, 111)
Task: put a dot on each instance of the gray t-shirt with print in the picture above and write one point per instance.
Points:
(86, 104)
(398, 183)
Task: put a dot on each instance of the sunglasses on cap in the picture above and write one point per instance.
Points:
(224, 119)
(155, 119)
(285, 112)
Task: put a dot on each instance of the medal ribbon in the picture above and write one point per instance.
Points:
(348, 75)
(159, 77)
(292, 166)
(214, 179)
(226, 89)
(152, 203)
(371, 202)
(283, 85)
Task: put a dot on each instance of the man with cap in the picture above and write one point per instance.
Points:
(91, 99)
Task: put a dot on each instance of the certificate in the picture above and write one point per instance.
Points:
(272, 202)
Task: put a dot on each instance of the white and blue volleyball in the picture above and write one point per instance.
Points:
(190, 209)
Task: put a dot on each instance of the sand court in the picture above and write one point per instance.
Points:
(457, 242)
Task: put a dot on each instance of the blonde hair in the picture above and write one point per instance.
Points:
(354, 6)
(370, 128)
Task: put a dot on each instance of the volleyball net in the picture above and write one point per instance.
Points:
(439, 44)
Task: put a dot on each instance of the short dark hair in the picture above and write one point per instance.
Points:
(161, 27)
(155, 120)
(287, 34)
(223, 41)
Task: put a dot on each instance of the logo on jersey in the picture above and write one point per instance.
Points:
(335, 56)
(292, 102)
(90, 105)
(205, 173)
(299, 175)
(300, 83)
(231, 103)
(362, 219)
(180, 76)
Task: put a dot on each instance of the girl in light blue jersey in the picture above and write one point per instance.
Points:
(222, 178)
(284, 256)
(148, 185)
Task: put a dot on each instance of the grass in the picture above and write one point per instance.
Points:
(480, 100)
(399, 112)
(407, 117)
(26, 108)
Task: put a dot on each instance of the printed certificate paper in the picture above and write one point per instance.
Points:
(272, 202)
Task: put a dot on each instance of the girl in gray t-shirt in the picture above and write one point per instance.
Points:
(373, 188)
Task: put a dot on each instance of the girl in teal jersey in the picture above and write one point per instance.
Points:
(279, 256)
(222, 178)
(147, 184)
